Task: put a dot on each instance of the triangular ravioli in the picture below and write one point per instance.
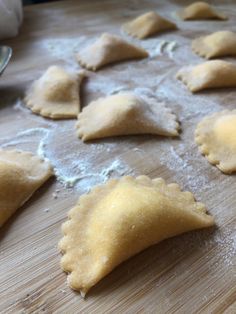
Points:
(216, 137)
(21, 174)
(109, 49)
(125, 113)
(218, 44)
(200, 11)
(147, 25)
(55, 94)
(210, 74)
(118, 220)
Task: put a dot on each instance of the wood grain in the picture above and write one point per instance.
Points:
(193, 273)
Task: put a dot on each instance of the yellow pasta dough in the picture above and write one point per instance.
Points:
(218, 44)
(216, 137)
(210, 74)
(21, 174)
(55, 94)
(200, 11)
(147, 24)
(109, 49)
(125, 113)
(121, 218)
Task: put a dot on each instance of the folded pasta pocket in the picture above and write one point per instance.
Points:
(200, 11)
(55, 94)
(218, 44)
(21, 174)
(211, 74)
(109, 49)
(216, 137)
(118, 220)
(123, 114)
(148, 24)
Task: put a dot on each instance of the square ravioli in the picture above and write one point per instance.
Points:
(109, 49)
(118, 220)
(218, 44)
(21, 174)
(148, 24)
(210, 74)
(55, 94)
(200, 11)
(123, 114)
(216, 137)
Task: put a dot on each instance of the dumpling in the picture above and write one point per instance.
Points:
(200, 11)
(109, 49)
(118, 220)
(218, 44)
(216, 137)
(147, 24)
(125, 113)
(55, 94)
(210, 74)
(21, 174)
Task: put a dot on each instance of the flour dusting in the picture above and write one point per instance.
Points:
(30, 139)
(65, 48)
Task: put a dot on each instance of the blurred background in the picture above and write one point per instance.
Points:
(36, 1)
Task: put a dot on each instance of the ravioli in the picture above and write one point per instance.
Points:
(147, 25)
(200, 11)
(216, 137)
(118, 220)
(21, 174)
(55, 94)
(218, 44)
(210, 74)
(109, 49)
(125, 113)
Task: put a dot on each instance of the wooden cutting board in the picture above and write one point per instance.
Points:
(192, 273)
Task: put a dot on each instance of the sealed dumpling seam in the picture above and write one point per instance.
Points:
(123, 114)
(200, 11)
(21, 174)
(216, 137)
(55, 94)
(210, 74)
(148, 24)
(109, 49)
(121, 218)
(218, 44)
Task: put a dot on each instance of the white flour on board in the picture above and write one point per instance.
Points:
(37, 141)
(65, 48)
(30, 139)
(80, 166)
(161, 47)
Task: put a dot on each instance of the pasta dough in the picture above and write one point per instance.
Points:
(216, 137)
(55, 94)
(121, 218)
(21, 174)
(210, 74)
(218, 44)
(109, 49)
(123, 114)
(200, 11)
(148, 24)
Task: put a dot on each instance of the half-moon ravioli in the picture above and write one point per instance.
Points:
(200, 11)
(55, 94)
(124, 114)
(210, 74)
(218, 44)
(118, 220)
(147, 25)
(216, 137)
(109, 49)
(21, 174)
